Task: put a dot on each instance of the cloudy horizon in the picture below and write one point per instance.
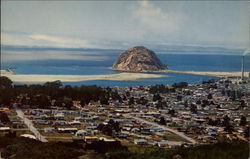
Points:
(119, 25)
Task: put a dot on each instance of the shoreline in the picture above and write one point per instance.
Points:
(121, 76)
(202, 73)
(209, 73)
(37, 78)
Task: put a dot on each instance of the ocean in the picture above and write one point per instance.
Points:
(94, 62)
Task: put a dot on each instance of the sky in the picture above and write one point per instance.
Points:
(123, 24)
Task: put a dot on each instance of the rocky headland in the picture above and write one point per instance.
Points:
(138, 59)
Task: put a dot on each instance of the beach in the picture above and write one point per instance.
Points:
(216, 74)
(35, 78)
(123, 76)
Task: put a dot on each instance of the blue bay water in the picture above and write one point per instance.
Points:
(181, 62)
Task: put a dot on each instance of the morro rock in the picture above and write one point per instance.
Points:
(138, 59)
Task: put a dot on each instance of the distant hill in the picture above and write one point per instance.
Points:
(138, 59)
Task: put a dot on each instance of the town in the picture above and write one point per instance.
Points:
(163, 116)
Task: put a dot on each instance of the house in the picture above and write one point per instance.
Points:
(59, 116)
(75, 123)
(106, 140)
(81, 133)
(140, 142)
(60, 123)
(49, 130)
(122, 135)
(67, 130)
(212, 131)
(42, 122)
(169, 144)
(162, 144)
(90, 139)
(4, 129)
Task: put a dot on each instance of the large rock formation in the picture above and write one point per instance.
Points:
(138, 59)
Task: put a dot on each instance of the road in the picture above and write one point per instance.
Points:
(182, 135)
(30, 125)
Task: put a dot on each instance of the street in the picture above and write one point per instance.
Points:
(30, 125)
(182, 135)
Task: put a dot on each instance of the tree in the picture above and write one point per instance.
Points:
(229, 128)
(24, 101)
(246, 132)
(209, 96)
(226, 121)
(223, 92)
(198, 102)
(127, 93)
(162, 121)
(210, 122)
(242, 104)
(6, 96)
(142, 101)
(104, 100)
(109, 128)
(131, 101)
(68, 102)
(180, 85)
(179, 97)
(5, 82)
(59, 102)
(193, 108)
(115, 96)
(186, 103)
(4, 117)
(204, 103)
(54, 85)
(42, 101)
(52, 88)
(171, 112)
(157, 97)
(243, 121)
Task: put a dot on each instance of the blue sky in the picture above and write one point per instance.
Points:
(119, 25)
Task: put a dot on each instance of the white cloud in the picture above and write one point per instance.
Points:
(49, 55)
(60, 40)
(43, 40)
(155, 18)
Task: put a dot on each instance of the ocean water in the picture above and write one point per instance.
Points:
(99, 61)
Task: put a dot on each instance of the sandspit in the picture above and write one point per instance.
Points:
(36, 78)
(216, 74)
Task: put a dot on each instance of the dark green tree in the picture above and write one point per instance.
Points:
(171, 112)
(243, 120)
(131, 101)
(162, 121)
(5, 82)
(193, 108)
(4, 117)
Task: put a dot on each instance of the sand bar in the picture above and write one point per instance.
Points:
(123, 76)
(216, 74)
(36, 78)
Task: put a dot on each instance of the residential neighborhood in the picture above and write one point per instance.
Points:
(164, 116)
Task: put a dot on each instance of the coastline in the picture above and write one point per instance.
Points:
(121, 76)
(216, 74)
(202, 73)
(36, 78)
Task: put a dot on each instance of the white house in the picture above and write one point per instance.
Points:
(140, 142)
